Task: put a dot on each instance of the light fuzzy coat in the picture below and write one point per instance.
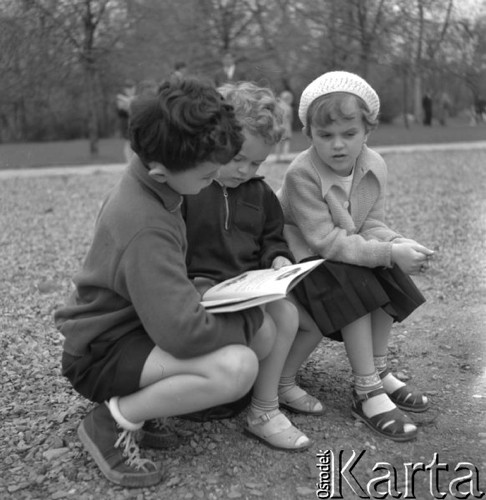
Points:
(320, 220)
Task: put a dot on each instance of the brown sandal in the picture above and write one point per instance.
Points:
(390, 424)
(407, 399)
(305, 404)
(275, 430)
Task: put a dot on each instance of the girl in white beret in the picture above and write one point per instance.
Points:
(333, 198)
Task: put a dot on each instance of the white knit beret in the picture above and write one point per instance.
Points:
(338, 81)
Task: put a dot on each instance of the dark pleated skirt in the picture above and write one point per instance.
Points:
(336, 294)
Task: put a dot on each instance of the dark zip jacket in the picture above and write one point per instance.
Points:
(233, 230)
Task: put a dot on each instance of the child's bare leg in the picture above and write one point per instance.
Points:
(291, 396)
(285, 318)
(264, 418)
(358, 341)
(172, 386)
(307, 339)
(264, 340)
(406, 399)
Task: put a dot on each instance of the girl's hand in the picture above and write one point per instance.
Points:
(280, 261)
(404, 240)
(410, 256)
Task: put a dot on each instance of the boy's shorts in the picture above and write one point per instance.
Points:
(109, 368)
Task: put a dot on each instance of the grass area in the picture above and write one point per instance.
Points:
(23, 155)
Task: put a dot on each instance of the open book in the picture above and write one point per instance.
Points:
(255, 287)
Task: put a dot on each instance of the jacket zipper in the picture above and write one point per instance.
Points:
(226, 204)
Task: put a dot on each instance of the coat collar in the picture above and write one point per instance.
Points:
(362, 166)
(256, 177)
(170, 198)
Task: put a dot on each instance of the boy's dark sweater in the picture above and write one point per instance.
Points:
(135, 277)
(233, 230)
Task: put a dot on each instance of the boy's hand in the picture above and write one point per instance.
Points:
(203, 284)
(280, 261)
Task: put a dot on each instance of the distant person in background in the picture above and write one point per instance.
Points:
(123, 102)
(180, 69)
(477, 112)
(146, 88)
(229, 72)
(427, 109)
(480, 110)
(283, 147)
(444, 108)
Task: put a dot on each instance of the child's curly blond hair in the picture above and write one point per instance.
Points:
(256, 108)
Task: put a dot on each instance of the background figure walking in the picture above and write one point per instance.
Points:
(229, 71)
(427, 108)
(444, 108)
(180, 69)
(123, 102)
(283, 147)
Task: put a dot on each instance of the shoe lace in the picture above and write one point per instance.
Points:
(162, 424)
(128, 445)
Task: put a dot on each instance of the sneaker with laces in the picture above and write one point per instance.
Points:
(159, 434)
(116, 451)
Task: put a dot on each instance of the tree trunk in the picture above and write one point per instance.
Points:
(405, 98)
(417, 95)
(417, 70)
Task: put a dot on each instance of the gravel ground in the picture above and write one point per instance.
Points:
(436, 198)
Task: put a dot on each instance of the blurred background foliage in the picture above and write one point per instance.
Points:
(62, 62)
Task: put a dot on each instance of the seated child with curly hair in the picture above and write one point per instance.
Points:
(235, 225)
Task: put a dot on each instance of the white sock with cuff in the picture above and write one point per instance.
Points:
(119, 418)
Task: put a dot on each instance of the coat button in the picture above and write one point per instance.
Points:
(346, 204)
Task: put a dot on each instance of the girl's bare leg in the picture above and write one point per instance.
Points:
(264, 420)
(307, 339)
(381, 325)
(359, 343)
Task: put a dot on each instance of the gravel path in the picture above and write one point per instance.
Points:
(47, 220)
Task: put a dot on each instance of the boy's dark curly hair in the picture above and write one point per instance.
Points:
(185, 124)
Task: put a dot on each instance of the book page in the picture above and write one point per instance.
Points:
(240, 305)
(259, 283)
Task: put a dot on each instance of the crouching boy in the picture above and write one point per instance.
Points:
(137, 340)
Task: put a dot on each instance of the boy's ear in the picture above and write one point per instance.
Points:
(158, 172)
